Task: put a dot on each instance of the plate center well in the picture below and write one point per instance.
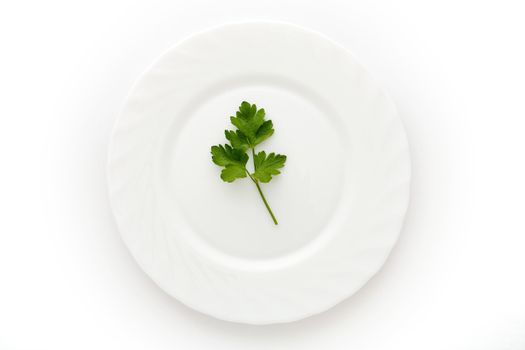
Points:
(231, 217)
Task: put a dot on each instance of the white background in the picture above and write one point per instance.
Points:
(455, 280)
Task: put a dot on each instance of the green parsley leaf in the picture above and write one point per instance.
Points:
(265, 166)
(233, 172)
(232, 159)
(251, 124)
(237, 139)
(226, 155)
(264, 132)
(252, 129)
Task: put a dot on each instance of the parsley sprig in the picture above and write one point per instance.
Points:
(252, 129)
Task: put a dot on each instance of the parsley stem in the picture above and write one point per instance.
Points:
(265, 202)
(256, 182)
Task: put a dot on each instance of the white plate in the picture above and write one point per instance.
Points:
(340, 199)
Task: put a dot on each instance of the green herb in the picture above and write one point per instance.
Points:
(252, 129)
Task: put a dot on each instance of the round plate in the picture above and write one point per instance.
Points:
(340, 200)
